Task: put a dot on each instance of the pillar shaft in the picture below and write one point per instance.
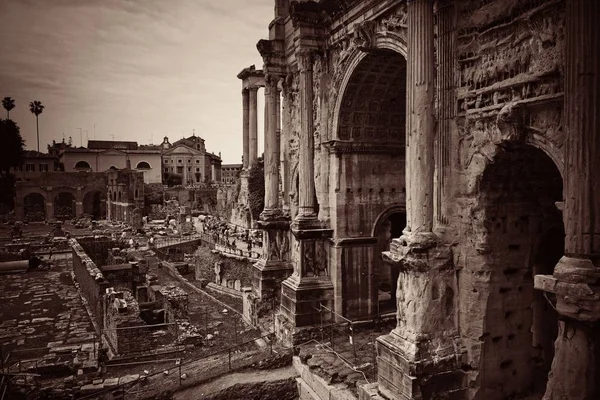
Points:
(284, 146)
(271, 144)
(582, 128)
(279, 158)
(246, 126)
(420, 123)
(306, 201)
(253, 127)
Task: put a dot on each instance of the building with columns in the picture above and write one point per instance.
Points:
(436, 160)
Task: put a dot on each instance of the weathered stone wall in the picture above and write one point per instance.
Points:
(508, 73)
(91, 281)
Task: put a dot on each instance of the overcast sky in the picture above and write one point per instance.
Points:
(138, 69)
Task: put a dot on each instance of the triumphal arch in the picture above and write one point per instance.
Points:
(439, 160)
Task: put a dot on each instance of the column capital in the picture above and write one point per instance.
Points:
(305, 59)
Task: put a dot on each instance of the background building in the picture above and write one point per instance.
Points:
(103, 155)
(230, 173)
(34, 164)
(188, 159)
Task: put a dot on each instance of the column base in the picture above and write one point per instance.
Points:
(300, 299)
(421, 357)
(405, 375)
(575, 371)
(267, 277)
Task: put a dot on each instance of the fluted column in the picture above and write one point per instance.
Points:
(253, 127)
(575, 373)
(246, 127)
(420, 123)
(306, 201)
(271, 160)
(426, 324)
(279, 158)
(284, 146)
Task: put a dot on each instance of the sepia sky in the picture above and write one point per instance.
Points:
(137, 69)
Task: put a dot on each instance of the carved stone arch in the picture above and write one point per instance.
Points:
(556, 154)
(389, 41)
(385, 214)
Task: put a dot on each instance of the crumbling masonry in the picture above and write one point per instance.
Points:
(466, 131)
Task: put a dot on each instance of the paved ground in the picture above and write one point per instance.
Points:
(43, 315)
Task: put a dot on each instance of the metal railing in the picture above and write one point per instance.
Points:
(223, 362)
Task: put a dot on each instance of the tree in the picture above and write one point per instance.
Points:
(36, 107)
(11, 155)
(11, 151)
(8, 103)
(256, 189)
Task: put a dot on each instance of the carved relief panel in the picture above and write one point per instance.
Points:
(509, 54)
(313, 258)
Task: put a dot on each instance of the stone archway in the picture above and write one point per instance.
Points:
(34, 207)
(385, 283)
(94, 204)
(369, 146)
(519, 223)
(64, 206)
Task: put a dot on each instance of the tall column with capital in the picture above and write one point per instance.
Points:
(309, 287)
(246, 127)
(426, 334)
(575, 373)
(253, 127)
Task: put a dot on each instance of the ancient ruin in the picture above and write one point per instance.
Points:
(436, 160)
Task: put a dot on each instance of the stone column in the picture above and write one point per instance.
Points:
(285, 151)
(418, 359)
(78, 209)
(306, 201)
(310, 285)
(271, 157)
(246, 127)
(420, 122)
(253, 128)
(576, 366)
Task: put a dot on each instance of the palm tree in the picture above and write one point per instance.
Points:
(36, 107)
(8, 103)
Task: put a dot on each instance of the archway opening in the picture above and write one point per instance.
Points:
(93, 205)
(524, 235)
(370, 147)
(386, 275)
(143, 165)
(64, 206)
(83, 166)
(34, 207)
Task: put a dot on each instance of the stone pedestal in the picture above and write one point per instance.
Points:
(576, 365)
(419, 358)
(310, 284)
(275, 265)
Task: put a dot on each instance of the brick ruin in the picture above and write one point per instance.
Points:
(132, 312)
(61, 195)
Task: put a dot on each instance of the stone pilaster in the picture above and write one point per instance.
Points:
(246, 127)
(418, 359)
(253, 127)
(575, 373)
